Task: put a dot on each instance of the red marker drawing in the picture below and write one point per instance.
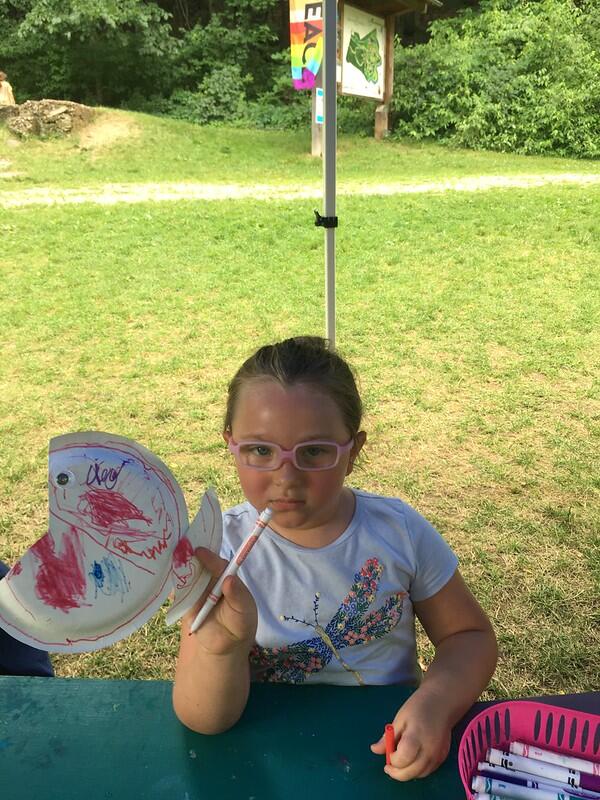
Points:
(390, 742)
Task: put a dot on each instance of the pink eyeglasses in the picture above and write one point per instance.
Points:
(306, 456)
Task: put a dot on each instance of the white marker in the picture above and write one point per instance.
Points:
(486, 796)
(566, 775)
(526, 779)
(515, 792)
(530, 751)
(236, 562)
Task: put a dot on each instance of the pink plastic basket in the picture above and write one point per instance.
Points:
(562, 729)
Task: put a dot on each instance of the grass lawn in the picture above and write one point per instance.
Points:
(137, 148)
(472, 320)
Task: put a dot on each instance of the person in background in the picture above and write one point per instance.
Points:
(17, 658)
(7, 97)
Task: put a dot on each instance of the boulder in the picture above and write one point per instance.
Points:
(45, 117)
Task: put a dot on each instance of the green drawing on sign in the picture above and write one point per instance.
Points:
(364, 54)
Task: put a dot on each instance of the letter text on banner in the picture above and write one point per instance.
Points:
(306, 42)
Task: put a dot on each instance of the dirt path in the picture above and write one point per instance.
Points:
(106, 130)
(110, 194)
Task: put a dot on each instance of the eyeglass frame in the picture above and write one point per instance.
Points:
(288, 455)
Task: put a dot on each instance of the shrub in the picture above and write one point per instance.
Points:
(518, 76)
(284, 107)
(220, 96)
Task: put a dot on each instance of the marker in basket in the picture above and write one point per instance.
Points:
(570, 777)
(523, 779)
(534, 795)
(390, 743)
(491, 786)
(236, 562)
(550, 757)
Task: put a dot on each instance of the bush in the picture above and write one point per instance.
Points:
(220, 96)
(280, 106)
(356, 115)
(516, 76)
(284, 107)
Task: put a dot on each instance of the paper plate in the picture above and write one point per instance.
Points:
(116, 546)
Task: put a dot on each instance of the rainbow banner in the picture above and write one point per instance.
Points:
(306, 41)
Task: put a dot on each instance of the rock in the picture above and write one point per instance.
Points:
(46, 117)
(7, 111)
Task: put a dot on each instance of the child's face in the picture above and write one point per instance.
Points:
(300, 500)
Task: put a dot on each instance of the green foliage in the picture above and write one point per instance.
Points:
(280, 106)
(220, 96)
(85, 19)
(93, 51)
(283, 108)
(356, 115)
(238, 34)
(514, 76)
(137, 53)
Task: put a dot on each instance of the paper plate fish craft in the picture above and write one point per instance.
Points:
(118, 543)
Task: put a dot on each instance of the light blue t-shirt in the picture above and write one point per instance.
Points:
(342, 613)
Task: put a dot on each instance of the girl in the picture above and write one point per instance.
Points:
(330, 592)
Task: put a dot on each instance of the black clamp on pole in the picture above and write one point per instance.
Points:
(325, 222)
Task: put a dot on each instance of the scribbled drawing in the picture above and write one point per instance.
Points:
(125, 504)
(109, 577)
(106, 508)
(118, 542)
(60, 580)
(352, 625)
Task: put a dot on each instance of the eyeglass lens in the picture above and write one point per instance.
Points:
(307, 456)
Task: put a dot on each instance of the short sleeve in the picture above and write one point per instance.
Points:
(436, 562)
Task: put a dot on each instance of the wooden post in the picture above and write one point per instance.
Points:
(382, 111)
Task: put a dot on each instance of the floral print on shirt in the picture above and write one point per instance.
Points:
(350, 626)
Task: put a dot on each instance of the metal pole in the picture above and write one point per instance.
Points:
(329, 155)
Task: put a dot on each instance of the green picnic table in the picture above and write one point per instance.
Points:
(86, 739)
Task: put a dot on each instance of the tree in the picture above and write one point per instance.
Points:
(516, 75)
(87, 50)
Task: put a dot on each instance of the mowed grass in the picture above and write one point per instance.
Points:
(472, 320)
(123, 147)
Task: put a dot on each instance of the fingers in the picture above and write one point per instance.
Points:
(407, 751)
(411, 758)
(235, 613)
(235, 592)
(214, 565)
(236, 595)
(406, 761)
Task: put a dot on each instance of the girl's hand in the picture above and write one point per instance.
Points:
(422, 738)
(231, 625)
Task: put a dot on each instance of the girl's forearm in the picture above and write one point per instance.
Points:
(460, 671)
(210, 691)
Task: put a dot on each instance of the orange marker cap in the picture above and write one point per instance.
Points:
(390, 742)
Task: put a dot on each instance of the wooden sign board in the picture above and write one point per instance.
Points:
(365, 56)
